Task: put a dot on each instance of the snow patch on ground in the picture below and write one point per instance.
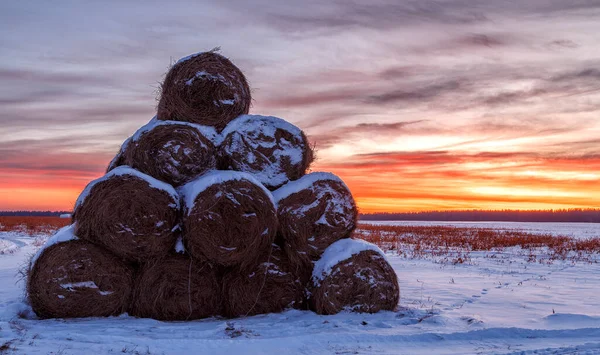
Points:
(8, 246)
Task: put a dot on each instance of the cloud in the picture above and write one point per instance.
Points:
(327, 138)
(378, 14)
(481, 40)
(453, 90)
(54, 78)
(436, 162)
(411, 180)
(54, 156)
(313, 99)
(409, 160)
(460, 76)
(36, 96)
(563, 43)
(77, 114)
(420, 94)
(386, 15)
(584, 74)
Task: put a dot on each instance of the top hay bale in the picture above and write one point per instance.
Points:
(204, 88)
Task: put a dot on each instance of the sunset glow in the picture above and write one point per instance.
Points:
(438, 106)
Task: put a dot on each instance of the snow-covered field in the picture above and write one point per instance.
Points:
(498, 303)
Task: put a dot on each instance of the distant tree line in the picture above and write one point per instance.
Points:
(562, 215)
(33, 213)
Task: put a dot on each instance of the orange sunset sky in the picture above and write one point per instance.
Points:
(417, 105)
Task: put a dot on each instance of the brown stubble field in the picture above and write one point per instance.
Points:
(457, 243)
(32, 225)
(453, 244)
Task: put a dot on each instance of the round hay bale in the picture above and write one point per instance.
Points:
(229, 219)
(353, 275)
(271, 149)
(299, 261)
(177, 288)
(71, 278)
(204, 88)
(270, 287)
(314, 212)
(119, 158)
(173, 152)
(130, 213)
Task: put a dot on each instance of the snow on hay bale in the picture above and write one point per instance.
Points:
(229, 218)
(270, 287)
(71, 278)
(130, 213)
(204, 88)
(170, 151)
(353, 275)
(273, 150)
(177, 288)
(119, 158)
(314, 212)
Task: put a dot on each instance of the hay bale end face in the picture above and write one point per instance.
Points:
(173, 152)
(353, 275)
(314, 212)
(229, 219)
(270, 287)
(177, 288)
(131, 214)
(271, 149)
(119, 158)
(204, 88)
(74, 279)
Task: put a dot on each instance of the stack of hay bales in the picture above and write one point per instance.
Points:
(208, 211)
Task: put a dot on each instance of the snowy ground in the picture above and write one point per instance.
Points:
(497, 304)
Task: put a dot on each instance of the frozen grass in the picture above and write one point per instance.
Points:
(32, 225)
(456, 244)
(8, 247)
(445, 243)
